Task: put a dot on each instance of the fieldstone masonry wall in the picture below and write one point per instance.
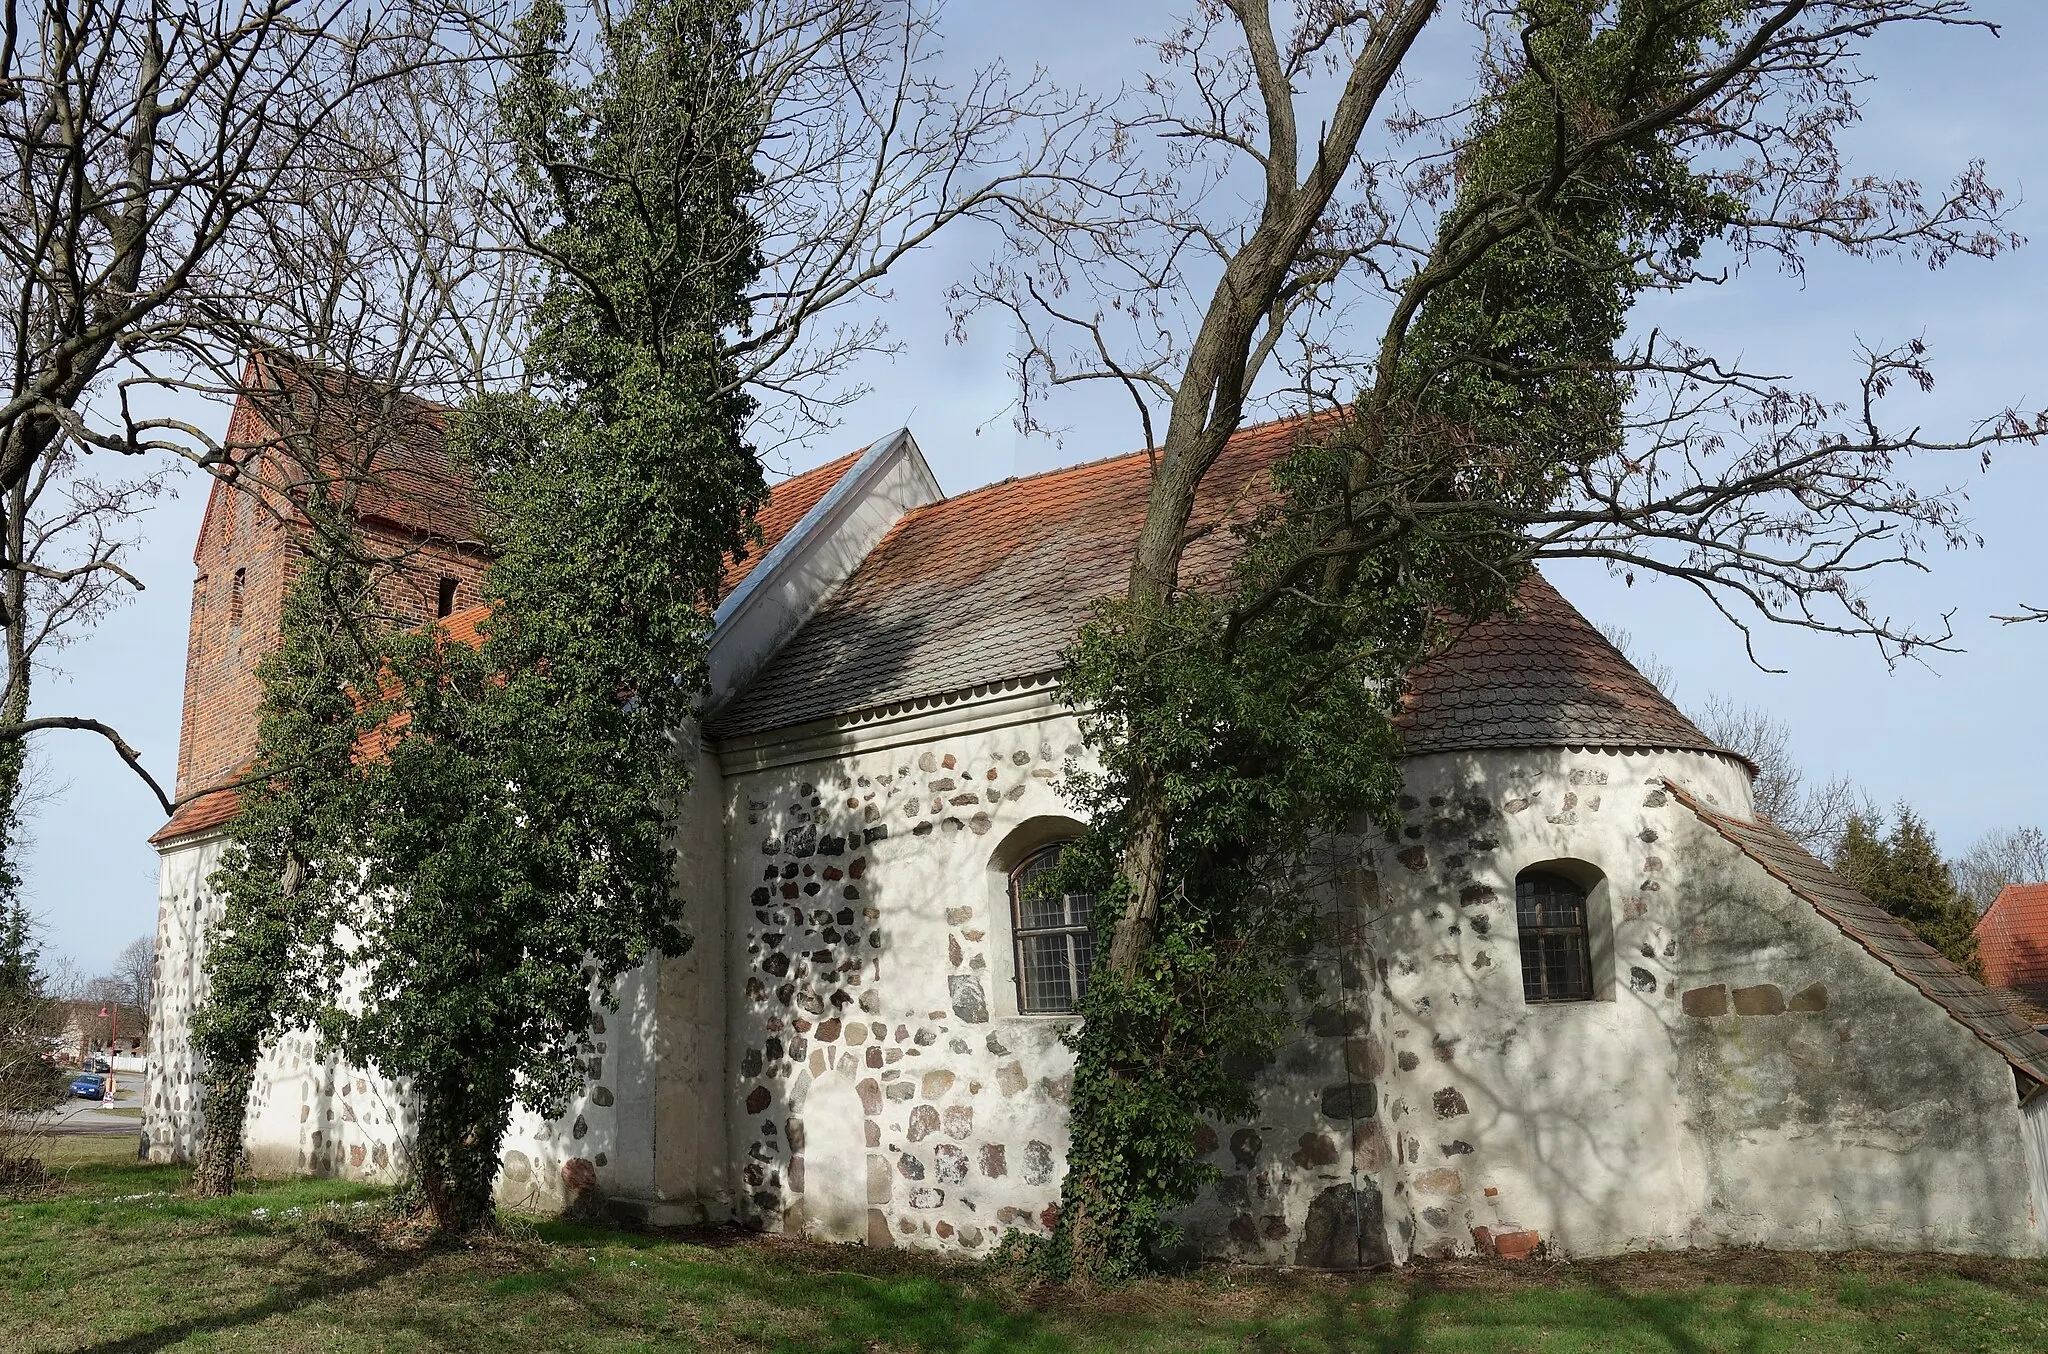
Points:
(886, 1090)
(1746, 1075)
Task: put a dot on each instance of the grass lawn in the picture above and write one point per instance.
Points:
(118, 1257)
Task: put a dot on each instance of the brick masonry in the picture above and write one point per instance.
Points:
(247, 546)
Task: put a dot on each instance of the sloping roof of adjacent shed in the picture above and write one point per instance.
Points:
(1884, 936)
(2012, 937)
(1541, 676)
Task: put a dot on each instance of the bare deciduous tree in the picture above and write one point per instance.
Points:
(135, 971)
(206, 203)
(1814, 813)
(1278, 200)
(171, 170)
(1999, 858)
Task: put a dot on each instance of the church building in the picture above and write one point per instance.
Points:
(1576, 997)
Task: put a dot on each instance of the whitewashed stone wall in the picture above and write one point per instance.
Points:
(842, 1055)
(883, 1087)
(313, 1114)
(1747, 1075)
(886, 1090)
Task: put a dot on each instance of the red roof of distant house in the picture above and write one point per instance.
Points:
(787, 503)
(2012, 937)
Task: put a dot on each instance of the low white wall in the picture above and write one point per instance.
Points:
(314, 1114)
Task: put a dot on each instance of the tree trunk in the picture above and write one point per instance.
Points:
(14, 705)
(1144, 867)
(227, 1109)
(457, 1163)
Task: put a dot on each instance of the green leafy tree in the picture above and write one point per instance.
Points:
(283, 881)
(513, 842)
(20, 952)
(1902, 872)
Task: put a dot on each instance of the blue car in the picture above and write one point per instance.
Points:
(89, 1087)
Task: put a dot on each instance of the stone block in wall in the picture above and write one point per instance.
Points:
(1812, 998)
(1761, 1000)
(1350, 1100)
(1706, 1002)
(970, 1002)
(1345, 1229)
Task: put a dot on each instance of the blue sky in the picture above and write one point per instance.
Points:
(1963, 737)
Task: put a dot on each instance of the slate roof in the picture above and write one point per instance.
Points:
(1541, 676)
(1884, 936)
(989, 586)
(2012, 937)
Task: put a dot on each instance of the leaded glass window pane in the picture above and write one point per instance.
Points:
(1550, 913)
(1054, 947)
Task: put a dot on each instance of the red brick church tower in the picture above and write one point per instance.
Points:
(413, 505)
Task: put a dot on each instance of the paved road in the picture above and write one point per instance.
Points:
(77, 1116)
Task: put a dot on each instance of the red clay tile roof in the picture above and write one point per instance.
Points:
(988, 586)
(2012, 937)
(197, 815)
(1541, 676)
(1890, 940)
(991, 586)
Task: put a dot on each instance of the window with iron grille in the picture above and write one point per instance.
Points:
(1054, 947)
(1550, 913)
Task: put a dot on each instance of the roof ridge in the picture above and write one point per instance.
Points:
(1101, 462)
(795, 475)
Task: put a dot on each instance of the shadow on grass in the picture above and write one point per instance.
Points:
(383, 1264)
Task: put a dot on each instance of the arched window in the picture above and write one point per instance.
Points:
(1550, 913)
(1054, 947)
(235, 591)
(444, 602)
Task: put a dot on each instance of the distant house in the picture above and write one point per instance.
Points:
(101, 1028)
(2012, 938)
